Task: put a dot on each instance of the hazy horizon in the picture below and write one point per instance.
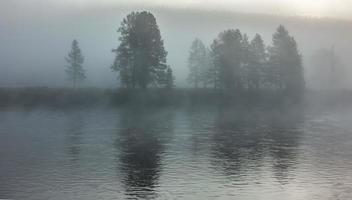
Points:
(186, 99)
(36, 35)
(340, 9)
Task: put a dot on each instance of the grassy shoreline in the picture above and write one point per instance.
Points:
(64, 97)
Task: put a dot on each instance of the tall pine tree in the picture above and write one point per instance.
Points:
(245, 61)
(140, 57)
(257, 62)
(286, 62)
(75, 59)
(214, 64)
(197, 63)
(228, 58)
(169, 78)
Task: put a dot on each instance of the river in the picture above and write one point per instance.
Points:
(175, 153)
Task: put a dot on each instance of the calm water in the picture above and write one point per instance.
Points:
(183, 153)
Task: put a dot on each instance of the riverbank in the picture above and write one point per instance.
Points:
(64, 97)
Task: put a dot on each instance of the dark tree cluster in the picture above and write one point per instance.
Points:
(141, 57)
(234, 63)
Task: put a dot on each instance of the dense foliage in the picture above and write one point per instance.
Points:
(141, 57)
(232, 63)
(237, 64)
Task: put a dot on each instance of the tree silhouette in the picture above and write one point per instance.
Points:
(327, 70)
(214, 69)
(286, 62)
(257, 62)
(245, 61)
(75, 59)
(197, 63)
(169, 78)
(140, 57)
(227, 54)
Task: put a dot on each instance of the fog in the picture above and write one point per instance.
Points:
(252, 100)
(35, 37)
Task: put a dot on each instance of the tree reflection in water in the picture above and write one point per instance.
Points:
(141, 142)
(74, 132)
(244, 141)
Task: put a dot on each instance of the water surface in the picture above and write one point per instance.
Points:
(175, 153)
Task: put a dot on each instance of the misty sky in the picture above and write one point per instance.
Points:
(35, 35)
(317, 8)
(332, 8)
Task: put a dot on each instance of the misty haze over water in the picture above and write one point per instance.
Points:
(193, 153)
(34, 43)
(188, 99)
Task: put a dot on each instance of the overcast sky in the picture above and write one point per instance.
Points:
(35, 35)
(317, 8)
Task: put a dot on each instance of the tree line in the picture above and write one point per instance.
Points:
(232, 62)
